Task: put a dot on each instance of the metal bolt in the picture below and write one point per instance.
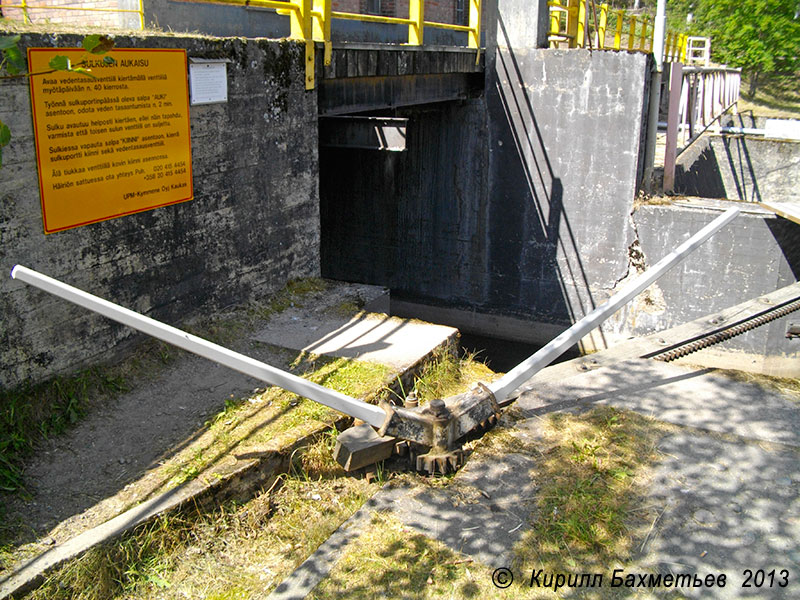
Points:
(438, 408)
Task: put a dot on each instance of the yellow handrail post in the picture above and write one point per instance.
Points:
(300, 20)
(572, 22)
(601, 28)
(682, 49)
(580, 35)
(416, 30)
(474, 23)
(555, 21)
(321, 26)
(141, 13)
(632, 33)
(618, 30)
(643, 34)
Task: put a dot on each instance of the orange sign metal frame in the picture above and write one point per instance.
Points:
(114, 144)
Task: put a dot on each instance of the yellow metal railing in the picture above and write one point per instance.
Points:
(25, 6)
(581, 24)
(311, 22)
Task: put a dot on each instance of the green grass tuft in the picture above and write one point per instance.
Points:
(32, 413)
(589, 488)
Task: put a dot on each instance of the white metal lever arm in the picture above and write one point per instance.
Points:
(374, 415)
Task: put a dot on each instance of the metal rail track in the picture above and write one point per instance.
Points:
(726, 333)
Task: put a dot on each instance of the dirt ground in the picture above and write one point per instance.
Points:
(72, 479)
(130, 435)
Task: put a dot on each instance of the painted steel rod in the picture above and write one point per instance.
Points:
(506, 385)
(368, 413)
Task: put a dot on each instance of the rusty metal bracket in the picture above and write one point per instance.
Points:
(440, 425)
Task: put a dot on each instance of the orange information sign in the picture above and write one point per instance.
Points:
(111, 145)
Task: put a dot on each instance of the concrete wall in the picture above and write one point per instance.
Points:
(517, 204)
(565, 158)
(756, 254)
(254, 222)
(739, 167)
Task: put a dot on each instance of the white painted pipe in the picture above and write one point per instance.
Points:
(374, 415)
(506, 385)
(743, 130)
(738, 130)
(659, 31)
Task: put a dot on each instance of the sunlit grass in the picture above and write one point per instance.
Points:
(235, 551)
(592, 477)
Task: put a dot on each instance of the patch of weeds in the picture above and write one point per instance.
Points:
(347, 309)
(144, 554)
(188, 470)
(291, 295)
(317, 462)
(352, 377)
(591, 486)
(229, 415)
(390, 560)
(239, 550)
(9, 530)
(499, 442)
(31, 413)
(447, 375)
(218, 329)
(302, 411)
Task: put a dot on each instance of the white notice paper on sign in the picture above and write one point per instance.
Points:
(208, 81)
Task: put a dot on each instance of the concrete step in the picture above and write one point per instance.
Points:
(398, 343)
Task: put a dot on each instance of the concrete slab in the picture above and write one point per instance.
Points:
(788, 210)
(676, 394)
(725, 507)
(367, 336)
(244, 468)
(725, 504)
(482, 513)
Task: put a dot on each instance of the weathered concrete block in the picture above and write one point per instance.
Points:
(739, 167)
(361, 446)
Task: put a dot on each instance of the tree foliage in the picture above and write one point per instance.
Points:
(761, 36)
(12, 65)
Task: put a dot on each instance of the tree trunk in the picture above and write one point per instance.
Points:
(753, 85)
